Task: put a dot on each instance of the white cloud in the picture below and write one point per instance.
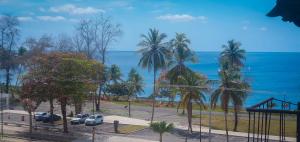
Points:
(245, 28)
(72, 9)
(263, 29)
(25, 18)
(51, 18)
(181, 18)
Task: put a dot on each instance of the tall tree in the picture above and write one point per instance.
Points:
(9, 28)
(106, 33)
(233, 58)
(232, 89)
(182, 54)
(155, 56)
(135, 86)
(69, 75)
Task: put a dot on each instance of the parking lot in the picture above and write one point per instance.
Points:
(21, 119)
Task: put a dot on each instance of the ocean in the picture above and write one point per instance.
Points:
(271, 74)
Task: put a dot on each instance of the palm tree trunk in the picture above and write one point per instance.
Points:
(154, 94)
(129, 108)
(190, 112)
(7, 79)
(200, 122)
(226, 128)
(160, 137)
(235, 118)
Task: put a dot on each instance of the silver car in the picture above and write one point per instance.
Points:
(94, 120)
(79, 119)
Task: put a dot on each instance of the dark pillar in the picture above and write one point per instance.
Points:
(298, 123)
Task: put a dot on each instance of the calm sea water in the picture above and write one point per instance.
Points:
(270, 74)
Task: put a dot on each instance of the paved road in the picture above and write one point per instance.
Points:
(176, 135)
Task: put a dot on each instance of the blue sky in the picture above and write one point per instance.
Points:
(208, 23)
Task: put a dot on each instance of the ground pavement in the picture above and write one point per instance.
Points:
(134, 121)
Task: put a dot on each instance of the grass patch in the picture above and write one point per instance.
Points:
(127, 129)
(125, 103)
(101, 111)
(217, 122)
(147, 104)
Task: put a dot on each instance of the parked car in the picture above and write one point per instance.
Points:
(38, 116)
(94, 120)
(49, 118)
(79, 119)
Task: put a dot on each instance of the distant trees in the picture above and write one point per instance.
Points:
(156, 54)
(135, 86)
(9, 34)
(115, 74)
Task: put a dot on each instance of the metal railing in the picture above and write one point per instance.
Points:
(261, 115)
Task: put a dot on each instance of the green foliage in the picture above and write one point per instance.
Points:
(197, 86)
(135, 83)
(181, 50)
(155, 52)
(115, 73)
(232, 89)
(161, 127)
(118, 89)
(66, 77)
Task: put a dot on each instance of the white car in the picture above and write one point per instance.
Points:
(79, 119)
(94, 120)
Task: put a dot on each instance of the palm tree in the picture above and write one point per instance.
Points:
(161, 128)
(135, 86)
(182, 54)
(155, 55)
(233, 54)
(115, 73)
(195, 92)
(233, 59)
(232, 89)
